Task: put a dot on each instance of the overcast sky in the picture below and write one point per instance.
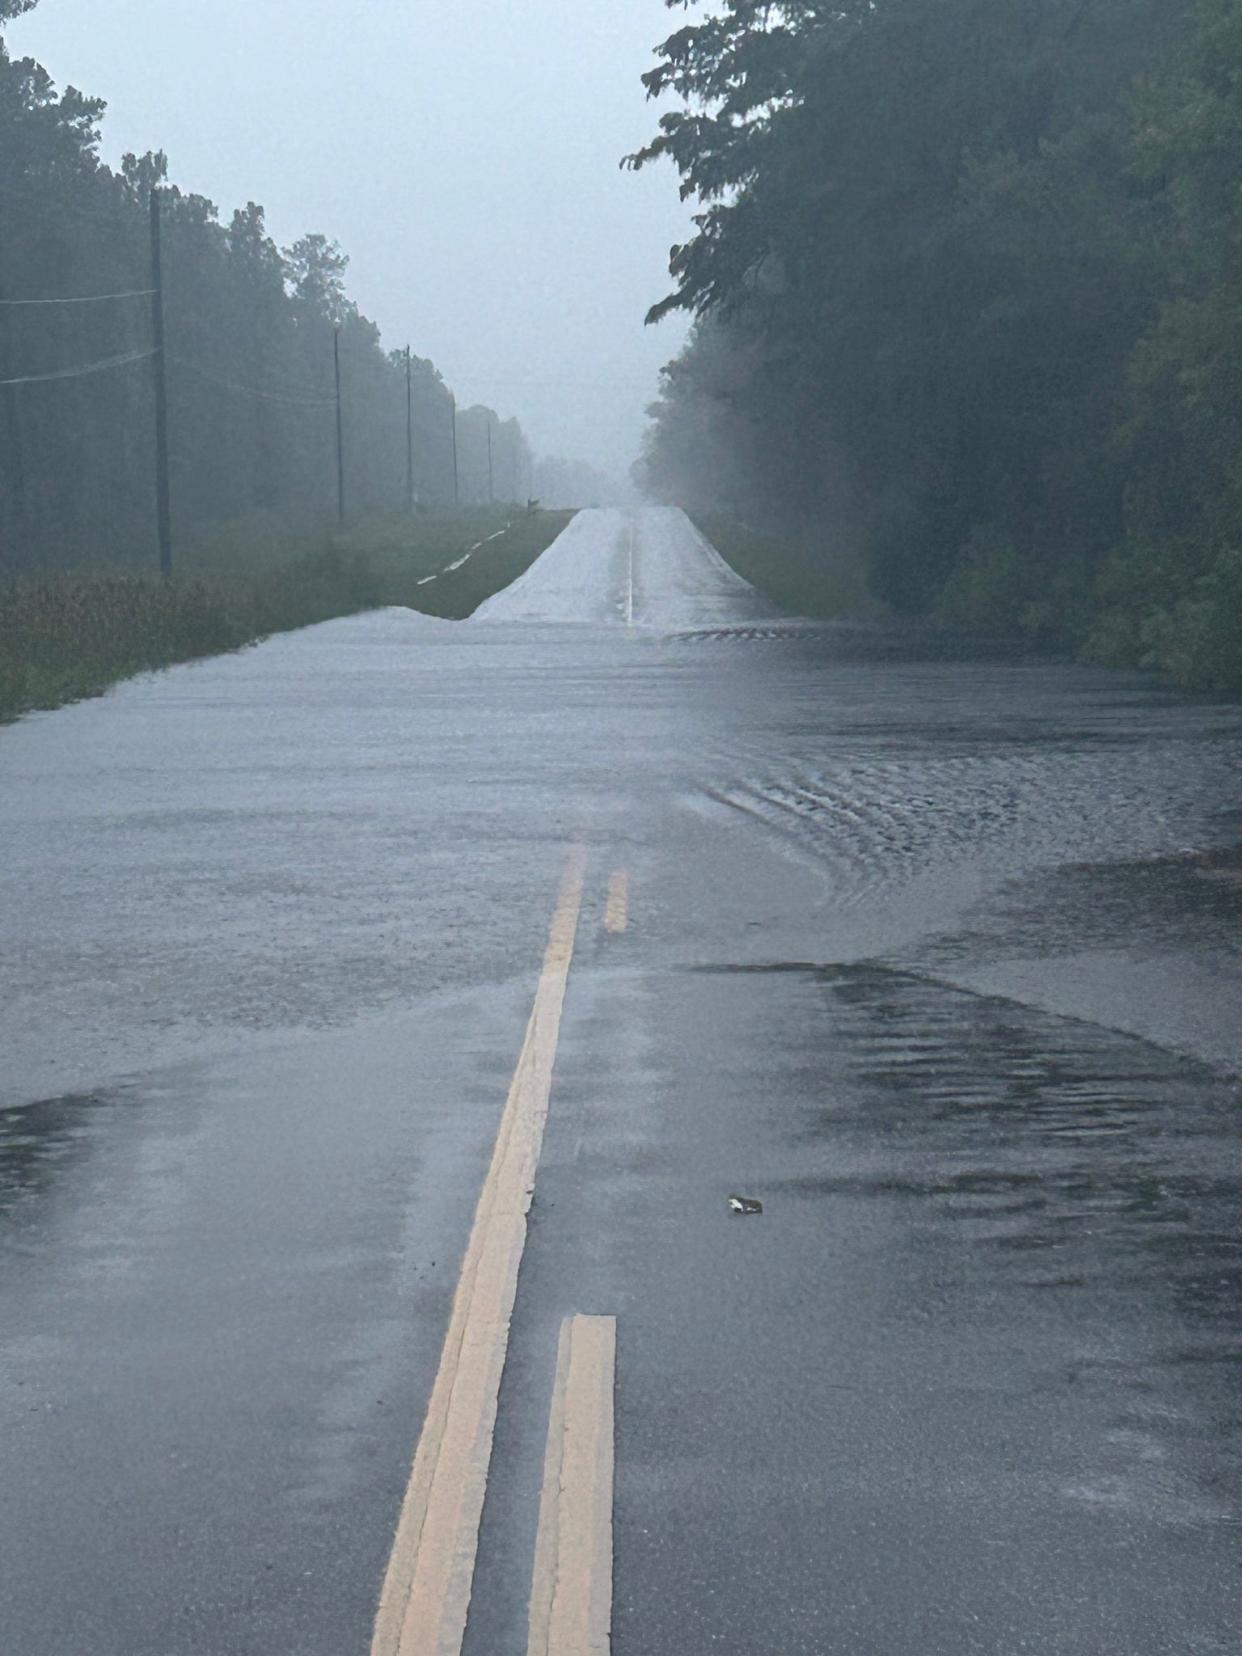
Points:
(463, 152)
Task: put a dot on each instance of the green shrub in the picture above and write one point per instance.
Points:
(1174, 606)
(988, 588)
(803, 571)
(1199, 639)
(997, 590)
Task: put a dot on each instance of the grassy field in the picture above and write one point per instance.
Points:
(73, 635)
(799, 575)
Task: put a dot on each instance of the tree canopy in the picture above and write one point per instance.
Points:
(249, 357)
(967, 285)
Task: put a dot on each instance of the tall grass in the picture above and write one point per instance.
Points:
(72, 635)
(803, 573)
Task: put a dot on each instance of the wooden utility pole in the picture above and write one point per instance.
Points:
(491, 485)
(163, 508)
(456, 477)
(409, 434)
(12, 448)
(340, 431)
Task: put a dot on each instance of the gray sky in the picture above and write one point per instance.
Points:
(463, 152)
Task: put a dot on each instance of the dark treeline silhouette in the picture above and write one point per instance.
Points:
(251, 386)
(968, 280)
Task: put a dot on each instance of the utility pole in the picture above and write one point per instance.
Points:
(456, 478)
(163, 508)
(491, 486)
(12, 453)
(409, 434)
(340, 431)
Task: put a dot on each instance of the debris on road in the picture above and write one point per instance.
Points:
(744, 1204)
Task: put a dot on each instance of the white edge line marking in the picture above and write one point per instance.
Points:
(448, 568)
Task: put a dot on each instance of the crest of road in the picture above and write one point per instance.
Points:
(649, 569)
(632, 1122)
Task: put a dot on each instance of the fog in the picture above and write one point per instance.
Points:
(465, 157)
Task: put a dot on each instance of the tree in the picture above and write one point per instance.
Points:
(249, 356)
(1176, 583)
(316, 273)
(926, 254)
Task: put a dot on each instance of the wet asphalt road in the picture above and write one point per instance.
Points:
(937, 957)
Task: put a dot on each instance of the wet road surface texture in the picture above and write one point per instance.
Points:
(937, 958)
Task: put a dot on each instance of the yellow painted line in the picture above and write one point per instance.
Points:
(571, 1593)
(426, 1591)
(617, 909)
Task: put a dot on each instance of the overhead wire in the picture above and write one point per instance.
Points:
(82, 372)
(83, 299)
(254, 391)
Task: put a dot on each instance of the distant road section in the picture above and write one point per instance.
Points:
(648, 568)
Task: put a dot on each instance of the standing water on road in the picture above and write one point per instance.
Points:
(934, 955)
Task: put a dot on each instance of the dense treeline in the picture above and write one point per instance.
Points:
(968, 278)
(249, 354)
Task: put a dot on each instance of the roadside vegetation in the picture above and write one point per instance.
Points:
(400, 558)
(75, 633)
(252, 334)
(261, 429)
(252, 330)
(787, 566)
(967, 281)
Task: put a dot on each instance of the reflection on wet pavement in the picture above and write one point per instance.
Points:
(1148, 905)
(972, 1372)
(1081, 1184)
(34, 1142)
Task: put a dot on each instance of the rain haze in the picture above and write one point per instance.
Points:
(619, 989)
(465, 157)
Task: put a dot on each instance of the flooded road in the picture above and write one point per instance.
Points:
(936, 957)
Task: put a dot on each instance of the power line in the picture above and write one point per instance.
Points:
(81, 373)
(254, 391)
(84, 299)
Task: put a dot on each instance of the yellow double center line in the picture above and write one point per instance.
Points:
(571, 1593)
(616, 914)
(426, 1592)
